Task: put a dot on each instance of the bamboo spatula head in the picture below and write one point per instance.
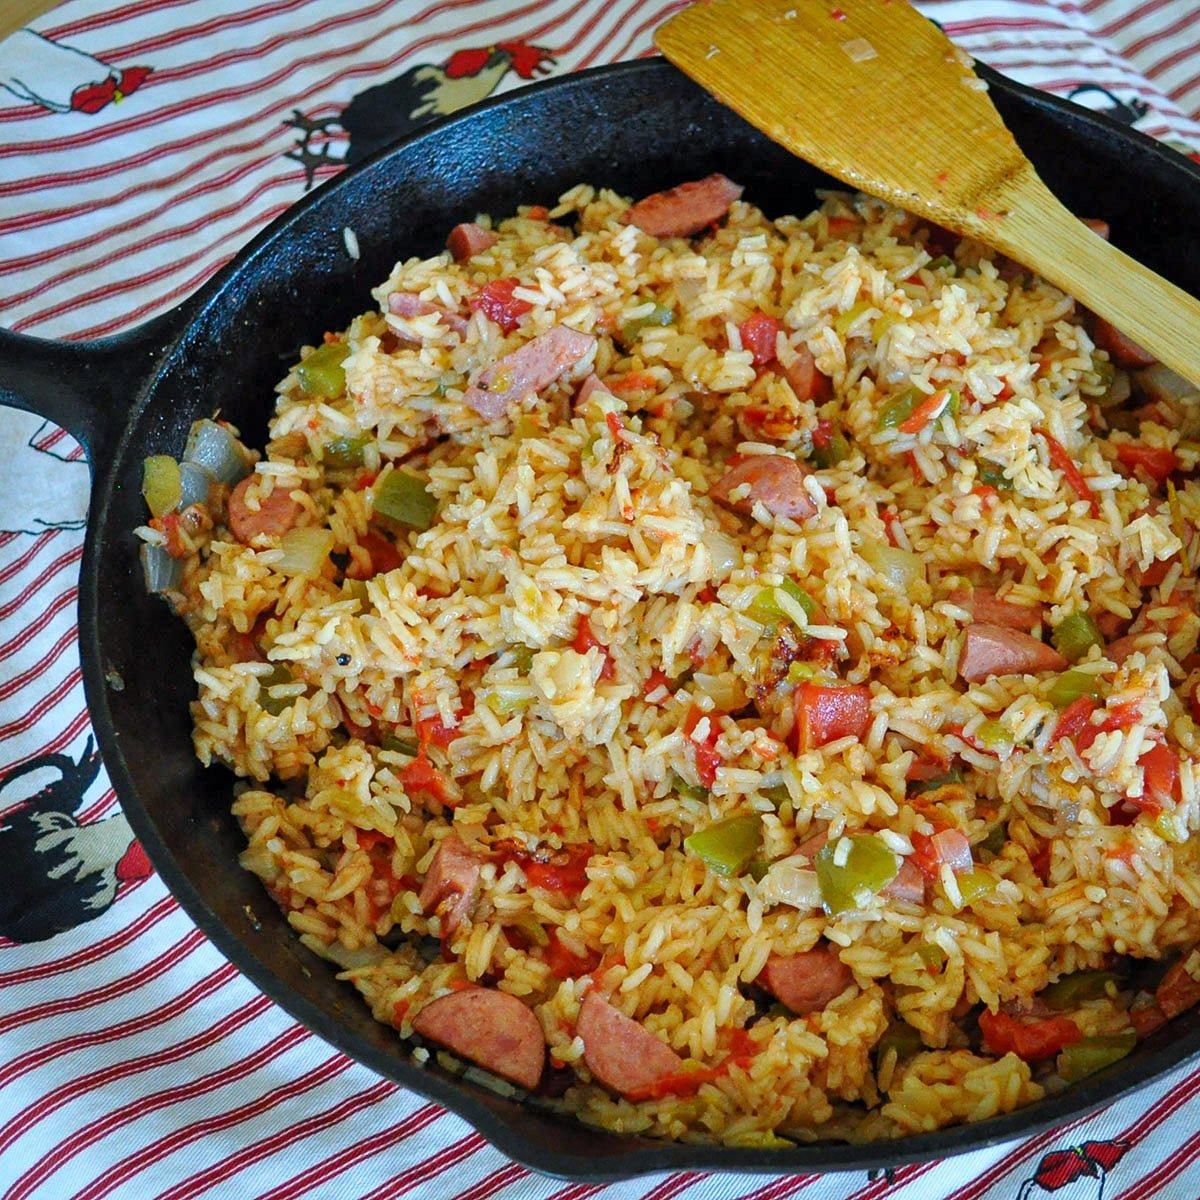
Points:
(874, 94)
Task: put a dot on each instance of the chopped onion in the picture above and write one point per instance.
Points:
(725, 690)
(213, 447)
(901, 568)
(859, 50)
(723, 551)
(161, 572)
(195, 484)
(1161, 383)
(789, 882)
(161, 484)
(304, 551)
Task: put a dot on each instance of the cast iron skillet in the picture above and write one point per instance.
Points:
(636, 127)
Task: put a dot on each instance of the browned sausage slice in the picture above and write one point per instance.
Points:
(774, 480)
(1124, 350)
(684, 210)
(1177, 992)
(452, 883)
(407, 304)
(983, 606)
(492, 1029)
(468, 239)
(807, 382)
(277, 513)
(619, 1052)
(806, 982)
(994, 650)
(536, 365)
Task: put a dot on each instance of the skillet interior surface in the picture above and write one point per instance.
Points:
(637, 128)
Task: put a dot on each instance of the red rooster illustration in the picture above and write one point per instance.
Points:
(1082, 1169)
(61, 79)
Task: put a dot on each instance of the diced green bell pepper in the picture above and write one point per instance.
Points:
(728, 846)
(321, 374)
(1091, 1054)
(345, 451)
(403, 498)
(868, 868)
(838, 450)
(1070, 685)
(765, 608)
(1075, 635)
(1072, 990)
(272, 704)
(689, 791)
(901, 1037)
(630, 331)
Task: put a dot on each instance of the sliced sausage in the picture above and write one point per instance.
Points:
(1177, 992)
(909, 884)
(775, 480)
(536, 365)
(683, 210)
(994, 650)
(277, 513)
(1097, 226)
(806, 982)
(468, 239)
(492, 1029)
(590, 385)
(619, 1052)
(983, 606)
(452, 884)
(807, 382)
(1122, 648)
(1124, 350)
(408, 304)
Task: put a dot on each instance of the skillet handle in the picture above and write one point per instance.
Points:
(86, 387)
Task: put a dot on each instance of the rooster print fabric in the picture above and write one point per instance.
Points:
(143, 142)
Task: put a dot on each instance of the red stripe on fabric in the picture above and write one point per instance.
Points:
(429, 1169)
(581, 33)
(73, 555)
(674, 1184)
(41, 1055)
(17, 682)
(90, 207)
(63, 600)
(162, 238)
(489, 1185)
(650, 22)
(82, 1139)
(121, 1173)
(207, 99)
(14, 567)
(53, 697)
(162, 962)
(111, 16)
(1131, 49)
(112, 1073)
(578, 1191)
(336, 1164)
(283, 1139)
(206, 66)
(56, 745)
(1130, 16)
(1164, 1171)
(145, 278)
(50, 440)
(788, 1185)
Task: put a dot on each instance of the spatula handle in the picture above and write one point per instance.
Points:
(1042, 234)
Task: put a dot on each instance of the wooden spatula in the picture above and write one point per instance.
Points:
(873, 93)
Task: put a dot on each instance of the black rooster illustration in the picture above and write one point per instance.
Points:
(1127, 112)
(388, 111)
(58, 873)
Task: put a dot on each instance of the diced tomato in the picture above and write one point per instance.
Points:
(422, 776)
(889, 517)
(824, 714)
(687, 1083)
(585, 639)
(1157, 571)
(758, 336)
(168, 526)
(434, 731)
(1034, 1041)
(840, 226)
(928, 410)
(497, 302)
(632, 381)
(1074, 719)
(921, 770)
(707, 757)
(565, 872)
(985, 492)
(946, 845)
(564, 963)
(1157, 461)
(384, 557)
(538, 212)
(823, 434)
(914, 466)
(655, 680)
(399, 1012)
(1071, 473)
(1160, 768)
(1040, 861)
